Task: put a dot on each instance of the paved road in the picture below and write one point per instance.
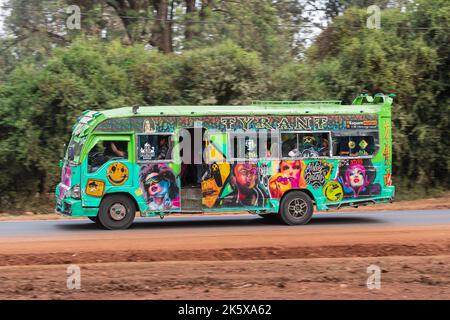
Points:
(238, 223)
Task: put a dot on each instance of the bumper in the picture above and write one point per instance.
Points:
(73, 208)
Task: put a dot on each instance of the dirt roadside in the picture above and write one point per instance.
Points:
(247, 263)
(324, 278)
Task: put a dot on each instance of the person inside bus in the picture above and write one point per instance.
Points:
(97, 157)
(325, 150)
(163, 149)
(117, 151)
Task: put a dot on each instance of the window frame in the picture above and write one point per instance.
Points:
(230, 136)
(170, 142)
(310, 132)
(377, 143)
(105, 137)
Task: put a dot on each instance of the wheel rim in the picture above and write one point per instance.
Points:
(117, 211)
(297, 208)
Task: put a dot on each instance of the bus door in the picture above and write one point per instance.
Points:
(107, 168)
(192, 168)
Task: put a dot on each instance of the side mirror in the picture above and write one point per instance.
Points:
(61, 163)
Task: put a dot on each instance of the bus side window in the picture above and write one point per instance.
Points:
(153, 147)
(354, 145)
(104, 151)
(305, 145)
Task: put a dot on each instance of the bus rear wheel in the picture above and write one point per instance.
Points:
(116, 212)
(296, 208)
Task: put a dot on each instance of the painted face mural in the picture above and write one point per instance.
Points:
(117, 173)
(147, 126)
(159, 186)
(289, 176)
(245, 186)
(357, 178)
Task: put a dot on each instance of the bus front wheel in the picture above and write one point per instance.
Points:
(116, 212)
(296, 208)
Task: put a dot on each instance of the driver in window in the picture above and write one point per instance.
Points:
(117, 151)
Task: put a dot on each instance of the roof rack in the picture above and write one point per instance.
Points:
(281, 103)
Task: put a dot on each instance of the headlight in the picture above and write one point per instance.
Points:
(76, 192)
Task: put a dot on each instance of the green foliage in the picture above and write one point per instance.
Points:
(38, 105)
(406, 61)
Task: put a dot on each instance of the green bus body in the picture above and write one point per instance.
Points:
(326, 179)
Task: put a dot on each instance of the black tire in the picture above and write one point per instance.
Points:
(296, 208)
(93, 219)
(116, 212)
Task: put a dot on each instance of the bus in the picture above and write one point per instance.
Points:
(276, 159)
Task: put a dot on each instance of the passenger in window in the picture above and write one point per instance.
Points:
(250, 149)
(117, 151)
(325, 150)
(163, 148)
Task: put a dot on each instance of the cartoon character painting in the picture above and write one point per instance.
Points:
(357, 178)
(246, 188)
(289, 176)
(159, 185)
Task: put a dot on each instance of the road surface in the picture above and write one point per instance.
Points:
(221, 224)
(231, 257)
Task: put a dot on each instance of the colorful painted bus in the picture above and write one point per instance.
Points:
(277, 159)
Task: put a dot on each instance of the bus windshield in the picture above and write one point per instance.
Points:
(74, 150)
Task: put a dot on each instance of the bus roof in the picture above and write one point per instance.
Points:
(363, 104)
(236, 110)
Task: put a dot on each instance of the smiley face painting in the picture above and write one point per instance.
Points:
(117, 173)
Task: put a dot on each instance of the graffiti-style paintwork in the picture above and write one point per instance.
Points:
(159, 187)
(213, 181)
(95, 188)
(357, 177)
(331, 179)
(243, 187)
(316, 173)
(117, 173)
(288, 175)
(333, 191)
(64, 186)
(308, 123)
